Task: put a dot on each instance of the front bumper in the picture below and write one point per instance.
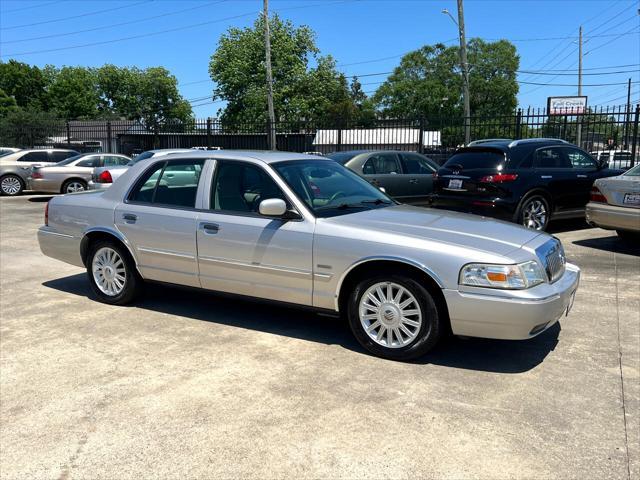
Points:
(511, 314)
(613, 217)
(98, 186)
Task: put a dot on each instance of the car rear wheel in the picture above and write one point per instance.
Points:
(534, 213)
(394, 317)
(11, 185)
(112, 273)
(74, 185)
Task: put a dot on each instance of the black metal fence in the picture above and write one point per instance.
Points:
(599, 129)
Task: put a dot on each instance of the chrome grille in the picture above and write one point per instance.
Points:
(553, 259)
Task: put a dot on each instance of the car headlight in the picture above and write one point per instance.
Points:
(522, 275)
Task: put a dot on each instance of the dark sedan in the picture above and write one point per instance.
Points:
(528, 181)
(406, 176)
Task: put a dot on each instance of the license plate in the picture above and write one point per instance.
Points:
(571, 300)
(632, 198)
(455, 183)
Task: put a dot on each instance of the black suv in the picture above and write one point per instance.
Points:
(525, 181)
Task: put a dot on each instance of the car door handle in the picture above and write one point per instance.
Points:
(210, 228)
(546, 176)
(413, 180)
(581, 176)
(129, 218)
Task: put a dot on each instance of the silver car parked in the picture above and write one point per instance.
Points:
(308, 231)
(73, 174)
(15, 168)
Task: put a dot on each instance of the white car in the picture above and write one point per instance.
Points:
(615, 158)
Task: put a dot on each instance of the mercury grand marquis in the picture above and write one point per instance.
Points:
(305, 230)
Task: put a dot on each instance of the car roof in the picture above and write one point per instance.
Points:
(265, 156)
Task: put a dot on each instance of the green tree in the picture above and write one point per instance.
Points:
(7, 104)
(428, 82)
(74, 94)
(25, 83)
(300, 91)
(159, 102)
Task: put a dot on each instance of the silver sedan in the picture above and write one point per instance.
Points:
(72, 175)
(615, 204)
(305, 230)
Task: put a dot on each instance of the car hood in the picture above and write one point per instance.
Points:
(464, 230)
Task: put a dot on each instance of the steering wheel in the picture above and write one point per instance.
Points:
(336, 195)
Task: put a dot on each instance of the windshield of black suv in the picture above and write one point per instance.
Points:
(633, 172)
(329, 189)
(476, 158)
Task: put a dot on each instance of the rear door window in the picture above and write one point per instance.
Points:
(471, 159)
(59, 156)
(381, 164)
(552, 157)
(169, 184)
(42, 156)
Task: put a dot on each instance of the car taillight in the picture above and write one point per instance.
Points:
(597, 196)
(104, 177)
(46, 214)
(499, 178)
(36, 175)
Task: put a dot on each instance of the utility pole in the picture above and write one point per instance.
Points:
(579, 120)
(267, 49)
(465, 75)
(627, 119)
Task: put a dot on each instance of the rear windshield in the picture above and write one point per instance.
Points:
(476, 159)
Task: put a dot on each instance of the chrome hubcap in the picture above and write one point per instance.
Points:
(535, 215)
(75, 187)
(390, 315)
(10, 185)
(108, 271)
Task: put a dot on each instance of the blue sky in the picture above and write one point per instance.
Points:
(365, 37)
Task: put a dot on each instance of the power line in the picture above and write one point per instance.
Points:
(61, 19)
(103, 27)
(610, 41)
(574, 84)
(30, 6)
(573, 73)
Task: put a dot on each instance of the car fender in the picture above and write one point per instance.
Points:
(110, 231)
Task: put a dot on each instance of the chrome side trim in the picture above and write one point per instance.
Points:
(49, 232)
(258, 267)
(406, 261)
(166, 252)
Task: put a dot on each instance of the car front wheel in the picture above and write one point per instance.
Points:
(112, 273)
(11, 185)
(394, 317)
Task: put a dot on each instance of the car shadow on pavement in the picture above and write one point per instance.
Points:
(43, 199)
(500, 356)
(612, 243)
(567, 225)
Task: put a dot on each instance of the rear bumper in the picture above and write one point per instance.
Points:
(613, 217)
(490, 207)
(98, 186)
(43, 185)
(65, 248)
(512, 315)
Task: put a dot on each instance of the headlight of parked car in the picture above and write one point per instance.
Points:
(522, 275)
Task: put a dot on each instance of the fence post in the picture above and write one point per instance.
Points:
(209, 139)
(634, 148)
(109, 137)
(339, 144)
(519, 124)
(68, 133)
(421, 136)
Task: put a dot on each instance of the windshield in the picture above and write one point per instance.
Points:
(633, 172)
(142, 156)
(342, 157)
(71, 159)
(329, 189)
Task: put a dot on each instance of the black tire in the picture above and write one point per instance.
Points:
(66, 184)
(526, 203)
(132, 280)
(627, 236)
(9, 183)
(428, 334)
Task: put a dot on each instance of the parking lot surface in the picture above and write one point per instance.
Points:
(189, 384)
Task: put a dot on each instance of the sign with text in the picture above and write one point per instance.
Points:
(566, 105)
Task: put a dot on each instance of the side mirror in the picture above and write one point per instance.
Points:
(273, 207)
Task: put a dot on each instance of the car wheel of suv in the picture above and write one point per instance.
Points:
(534, 213)
(11, 185)
(394, 317)
(112, 273)
(74, 185)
